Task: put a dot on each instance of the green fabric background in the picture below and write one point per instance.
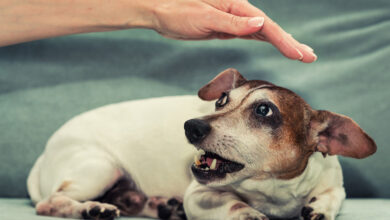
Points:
(45, 83)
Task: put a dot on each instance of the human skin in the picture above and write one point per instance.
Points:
(28, 20)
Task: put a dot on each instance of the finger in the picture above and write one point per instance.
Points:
(235, 25)
(274, 34)
(308, 53)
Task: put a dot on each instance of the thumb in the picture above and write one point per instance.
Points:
(236, 25)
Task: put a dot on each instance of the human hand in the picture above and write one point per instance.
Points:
(224, 19)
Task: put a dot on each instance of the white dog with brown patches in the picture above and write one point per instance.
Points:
(262, 153)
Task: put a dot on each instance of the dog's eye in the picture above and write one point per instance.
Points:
(263, 110)
(223, 100)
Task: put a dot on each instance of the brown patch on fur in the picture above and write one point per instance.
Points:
(295, 112)
(292, 135)
(238, 206)
(125, 195)
(64, 185)
(299, 166)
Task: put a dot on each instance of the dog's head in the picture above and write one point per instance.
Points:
(260, 130)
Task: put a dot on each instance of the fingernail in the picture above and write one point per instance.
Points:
(307, 48)
(256, 22)
(300, 55)
(315, 57)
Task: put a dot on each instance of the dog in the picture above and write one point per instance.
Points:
(259, 152)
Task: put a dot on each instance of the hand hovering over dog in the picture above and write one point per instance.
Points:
(24, 21)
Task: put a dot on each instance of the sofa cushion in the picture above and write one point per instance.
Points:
(353, 209)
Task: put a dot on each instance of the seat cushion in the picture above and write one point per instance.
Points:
(353, 209)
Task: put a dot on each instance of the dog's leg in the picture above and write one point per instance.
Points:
(112, 192)
(132, 202)
(125, 195)
(164, 208)
(60, 205)
(76, 187)
(324, 206)
(202, 202)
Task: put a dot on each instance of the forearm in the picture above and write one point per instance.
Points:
(27, 20)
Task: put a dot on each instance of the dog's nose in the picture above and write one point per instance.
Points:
(196, 130)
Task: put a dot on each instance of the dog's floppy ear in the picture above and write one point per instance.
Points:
(226, 80)
(339, 134)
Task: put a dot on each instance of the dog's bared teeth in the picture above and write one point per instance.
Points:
(197, 160)
(198, 156)
(213, 164)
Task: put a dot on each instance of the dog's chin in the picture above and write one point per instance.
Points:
(210, 168)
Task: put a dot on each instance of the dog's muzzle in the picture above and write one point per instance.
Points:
(207, 166)
(196, 130)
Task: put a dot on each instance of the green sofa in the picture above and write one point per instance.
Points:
(44, 83)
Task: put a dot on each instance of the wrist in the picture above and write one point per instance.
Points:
(124, 14)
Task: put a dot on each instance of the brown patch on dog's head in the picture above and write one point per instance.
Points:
(306, 131)
(289, 145)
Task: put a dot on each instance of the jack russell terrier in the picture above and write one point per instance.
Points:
(260, 152)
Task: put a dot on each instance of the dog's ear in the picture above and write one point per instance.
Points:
(339, 134)
(225, 81)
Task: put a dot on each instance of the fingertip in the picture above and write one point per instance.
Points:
(300, 55)
(309, 59)
(308, 55)
(313, 58)
(285, 44)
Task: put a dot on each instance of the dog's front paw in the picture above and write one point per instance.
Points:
(248, 213)
(100, 211)
(172, 209)
(308, 213)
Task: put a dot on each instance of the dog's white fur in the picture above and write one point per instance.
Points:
(145, 139)
(142, 138)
